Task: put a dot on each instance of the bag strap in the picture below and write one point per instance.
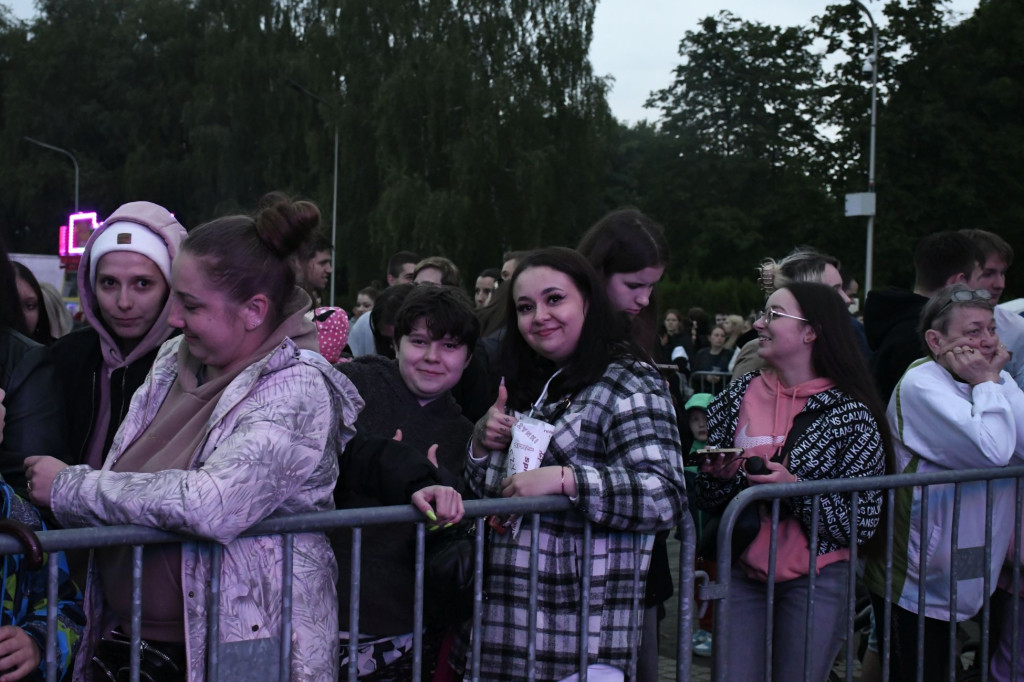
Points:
(801, 425)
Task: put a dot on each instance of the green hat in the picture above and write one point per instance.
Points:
(699, 401)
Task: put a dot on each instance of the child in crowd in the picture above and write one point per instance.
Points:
(23, 617)
(697, 418)
(434, 332)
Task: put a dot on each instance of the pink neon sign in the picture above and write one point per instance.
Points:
(75, 234)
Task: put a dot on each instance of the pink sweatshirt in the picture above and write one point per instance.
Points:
(766, 415)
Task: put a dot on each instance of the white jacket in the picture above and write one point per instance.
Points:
(942, 424)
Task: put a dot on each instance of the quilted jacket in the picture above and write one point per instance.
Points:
(271, 449)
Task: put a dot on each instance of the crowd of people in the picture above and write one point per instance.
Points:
(209, 387)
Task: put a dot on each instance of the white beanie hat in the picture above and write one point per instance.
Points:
(125, 236)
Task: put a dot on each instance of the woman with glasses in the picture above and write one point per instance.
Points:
(954, 409)
(812, 413)
(803, 264)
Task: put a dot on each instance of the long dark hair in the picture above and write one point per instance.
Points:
(626, 241)
(42, 332)
(10, 303)
(602, 339)
(835, 354)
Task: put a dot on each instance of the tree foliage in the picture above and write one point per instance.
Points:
(465, 127)
(764, 129)
(741, 118)
(953, 146)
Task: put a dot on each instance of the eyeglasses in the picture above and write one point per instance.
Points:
(964, 295)
(770, 314)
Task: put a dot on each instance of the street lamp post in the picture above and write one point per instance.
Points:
(66, 153)
(334, 205)
(868, 203)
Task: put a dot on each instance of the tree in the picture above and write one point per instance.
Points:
(764, 140)
(476, 126)
(745, 89)
(743, 167)
(952, 149)
(466, 127)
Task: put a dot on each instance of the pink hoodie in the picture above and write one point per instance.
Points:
(766, 415)
(163, 223)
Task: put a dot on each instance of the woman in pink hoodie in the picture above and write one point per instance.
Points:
(124, 283)
(811, 414)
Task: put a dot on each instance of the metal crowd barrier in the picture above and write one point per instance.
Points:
(709, 382)
(217, 668)
(965, 564)
(716, 591)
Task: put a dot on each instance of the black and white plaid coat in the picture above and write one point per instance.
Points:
(620, 438)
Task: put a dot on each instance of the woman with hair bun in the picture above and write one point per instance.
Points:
(240, 420)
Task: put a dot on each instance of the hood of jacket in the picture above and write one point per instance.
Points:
(161, 222)
(771, 397)
(888, 308)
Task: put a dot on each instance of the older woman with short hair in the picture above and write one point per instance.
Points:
(953, 409)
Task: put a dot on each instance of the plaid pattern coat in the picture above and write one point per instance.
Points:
(620, 439)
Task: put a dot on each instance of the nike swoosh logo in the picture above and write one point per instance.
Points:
(750, 442)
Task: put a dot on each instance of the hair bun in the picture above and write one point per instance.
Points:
(285, 224)
(766, 275)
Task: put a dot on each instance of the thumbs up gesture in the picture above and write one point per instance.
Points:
(494, 430)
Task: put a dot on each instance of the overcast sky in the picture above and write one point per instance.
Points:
(637, 41)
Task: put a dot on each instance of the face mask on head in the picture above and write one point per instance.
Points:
(854, 306)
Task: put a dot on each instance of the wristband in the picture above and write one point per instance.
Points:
(563, 480)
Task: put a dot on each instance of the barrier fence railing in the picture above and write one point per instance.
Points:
(965, 567)
(276, 666)
(709, 381)
(966, 562)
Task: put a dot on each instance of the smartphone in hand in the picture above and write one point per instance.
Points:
(720, 462)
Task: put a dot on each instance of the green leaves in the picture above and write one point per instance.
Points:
(469, 127)
(466, 128)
